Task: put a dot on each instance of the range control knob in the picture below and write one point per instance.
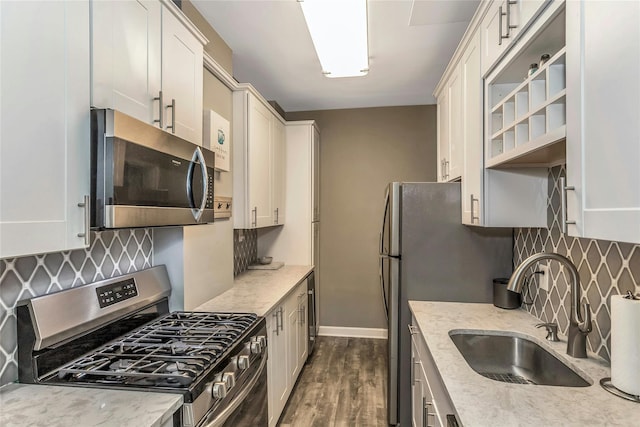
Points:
(229, 379)
(256, 347)
(219, 390)
(243, 362)
(262, 340)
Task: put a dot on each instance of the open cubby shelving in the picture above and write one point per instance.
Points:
(530, 115)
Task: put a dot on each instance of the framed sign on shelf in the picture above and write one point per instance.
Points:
(217, 138)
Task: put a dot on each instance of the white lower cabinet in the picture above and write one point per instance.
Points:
(44, 127)
(278, 391)
(287, 348)
(431, 405)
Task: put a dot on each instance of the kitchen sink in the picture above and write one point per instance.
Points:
(514, 359)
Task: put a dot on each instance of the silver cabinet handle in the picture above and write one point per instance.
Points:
(277, 331)
(86, 205)
(442, 169)
(254, 223)
(173, 116)
(426, 414)
(275, 214)
(509, 26)
(473, 216)
(160, 104)
(500, 36)
(413, 371)
(281, 319)
(563, 202)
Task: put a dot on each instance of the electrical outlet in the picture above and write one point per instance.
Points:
(543, 279)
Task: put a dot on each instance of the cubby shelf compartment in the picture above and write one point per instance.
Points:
(529, 116)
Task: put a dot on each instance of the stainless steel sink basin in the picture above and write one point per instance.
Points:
(514, 359)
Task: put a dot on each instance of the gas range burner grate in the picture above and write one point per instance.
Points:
(168, 352)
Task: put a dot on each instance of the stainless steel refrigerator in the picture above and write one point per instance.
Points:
(427, 254)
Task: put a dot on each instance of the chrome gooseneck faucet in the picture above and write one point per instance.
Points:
(578, 328)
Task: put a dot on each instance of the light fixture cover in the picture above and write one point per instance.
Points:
(339, 32)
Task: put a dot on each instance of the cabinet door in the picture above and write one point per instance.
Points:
(526, 10)
(293, 317)
(453, 166)
(603, 130)
(493, 31)
(416, 388)
(315, 161)
(443, 134)
(472, 134)
(278, 166)
(259, 164)
(181, 79)
(278, 390)
(125, 57)
(303, 330)
(44, 132)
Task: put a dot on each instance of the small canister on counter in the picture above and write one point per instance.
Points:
(503, 297)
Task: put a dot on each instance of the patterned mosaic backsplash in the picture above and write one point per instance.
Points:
(245, 249)
(112, 253)
(606, 268)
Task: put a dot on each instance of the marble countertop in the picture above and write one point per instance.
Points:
(258, 291)
(51, 406)
(481, 402)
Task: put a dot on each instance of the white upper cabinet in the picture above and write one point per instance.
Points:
(126, 57)
(450, 146)
(278, 166)
(503, 24)
(147, 63)
(259, 163)
(182, 77)
(603, 126)
(472, 200)
(44, 126)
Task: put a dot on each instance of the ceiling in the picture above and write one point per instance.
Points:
(410, 45)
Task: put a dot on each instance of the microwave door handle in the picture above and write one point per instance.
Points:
(197, 212)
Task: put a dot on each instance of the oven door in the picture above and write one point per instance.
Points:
(248, 407)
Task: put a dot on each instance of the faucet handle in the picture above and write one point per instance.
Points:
(586, 326)
(552, 330)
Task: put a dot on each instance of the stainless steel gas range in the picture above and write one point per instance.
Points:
(118, 333)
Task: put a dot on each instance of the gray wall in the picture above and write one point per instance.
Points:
(361, 150)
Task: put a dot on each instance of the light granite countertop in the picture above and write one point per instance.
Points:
(51, 406)
(258, 291)
(481, 402)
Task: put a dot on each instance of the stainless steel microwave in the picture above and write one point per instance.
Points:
(142, 176)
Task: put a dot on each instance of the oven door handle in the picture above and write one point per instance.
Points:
(239, 399)
(197, 155)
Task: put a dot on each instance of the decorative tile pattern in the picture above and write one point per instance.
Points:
(606, 268)
(245, 249)
(112, 253)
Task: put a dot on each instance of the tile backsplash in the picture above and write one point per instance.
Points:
(606, 268)
(245, 249)
(112, 253)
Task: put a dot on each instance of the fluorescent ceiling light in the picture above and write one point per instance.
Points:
(339, 32)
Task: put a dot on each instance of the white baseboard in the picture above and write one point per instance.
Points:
(338, 331)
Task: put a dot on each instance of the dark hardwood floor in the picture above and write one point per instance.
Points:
(344, 383)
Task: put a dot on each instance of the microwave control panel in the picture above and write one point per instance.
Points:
(116, 292)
